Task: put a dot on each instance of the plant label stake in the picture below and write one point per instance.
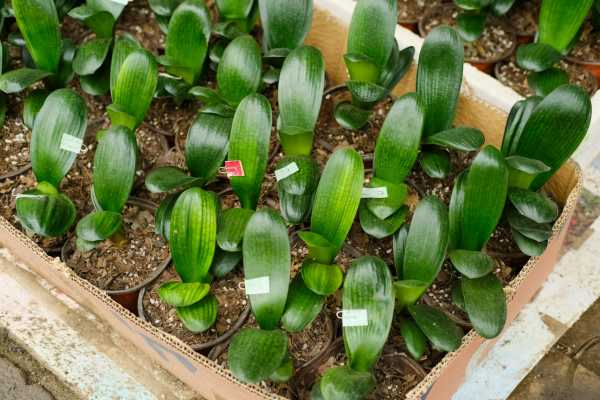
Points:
(71, 143)
(359, 317)
(233, 168)
(286, 171)
(374, 193)
(257, 285)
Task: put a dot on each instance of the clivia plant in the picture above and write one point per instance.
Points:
(471, 21)
(559, 29)
(375, 63)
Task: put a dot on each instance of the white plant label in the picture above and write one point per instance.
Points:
(121, 2)
(257, 285)
(71, 143)
(359, 317)
(286, 171)
(375, 193)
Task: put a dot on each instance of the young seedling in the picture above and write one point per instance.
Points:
(471, 21)
(56, 140)
(559, 27)
(374, 62)
(533, 158)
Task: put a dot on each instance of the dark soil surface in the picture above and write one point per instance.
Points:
(497, 41)
(510, 74)
(14, 151)
(587, 48)
(410, 11)
(523, 17)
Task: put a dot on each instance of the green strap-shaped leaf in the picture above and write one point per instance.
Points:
(472, 264)
(19, 79)
(528, 228)
(517, 119)
(439, 78)
(285, 23)
(371, 32)
(566, 112)
(206, 145)
(99, 226)
(124, 46)
(455, 210)
(543, 83)
(240, 70)
(319, 248)
(249, 143)
(443, 334)
(415, 339)
(39, 25)
(303, 306)
(537, 57)
(232, 224)
(461, 139)
(485, 189)
(398, 143)
(470, 25)
(164, 179)
(345, 383)
(224, 262)
(501, 7)
(32, 106)
(408, 292)
(200, 316)
(255, 354)
(234, 9)
(164, 8)
(47, 214)
(398, 246)
(267, 256)
(64, 113)
(338, 196)
(397, 66)
(427, 241)
(350, 116)
(435, 163)
(180, 294)
(101, 22)
(114, 168)
(187, 40)
(295, 209)
(301, 85)
(193, 234)
(91, 55)
(321, 278)
(135, 85)
(98, 84)
(162, 217)
(535, 206)
(553, 29)
(381, 228)
(530, 247)
(368, 286)
(523, 170)
(485, 304)
(302, 182)
(386, 207)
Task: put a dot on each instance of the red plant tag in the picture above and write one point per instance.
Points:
(234, 168)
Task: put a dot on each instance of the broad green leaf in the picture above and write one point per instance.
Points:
(397, 66)
(461, 139)
(485, 189)
(117, 115)
(115, 8)
(350, 116)
(415, 339)
(295, 209)
(63, 112)
(285, 23)
(300, 92)
(517, 119)
(232, 224)
(164, 8)
(319, 248)
(249, 143)
(234, 9)
(470, 25)
(321, 278)
(537, 57)
(455, 210)
(32, 105)
(543, 83)
(528, 246)
(529, 228)
(284, 372)
(302, 182)
(135, 85)
(398, 247)
(16, 80)
(206, 95)
(165, 179)
(39, 25)
(101, 22)
(302, 307)
(206, 145)
(162, 217)
(187, 40)
(362, 68)
(368, 286)
(200, 316)
(47, 214)
(114, 168)
(472, 264)
(435, 163)
(408, 292)
(439, 78)
(457, 296)
(533, 205)
(266, 249)
(366, 93)
(443, 334)
(65, 68)
(427, 241)
(381, 228)
(224, 262)
(193, 234)
(240, 70)
(399, 140)
(566, 112)
(178, 294)
(124, 46)
(386, 207)
(254, 354)
(99, 226)
(91, 55)
(338, 196)
(553, 29)
(523, 170)
(485, 303)
(371, 31)
(345, 383)
(97, 84)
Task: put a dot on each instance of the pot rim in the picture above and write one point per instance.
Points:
(16, 172)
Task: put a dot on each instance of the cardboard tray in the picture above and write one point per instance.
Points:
(329, 34)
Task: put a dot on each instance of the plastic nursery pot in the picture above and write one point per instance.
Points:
(409, 14)
(593, 67)
(484, 65)
(126, 297)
